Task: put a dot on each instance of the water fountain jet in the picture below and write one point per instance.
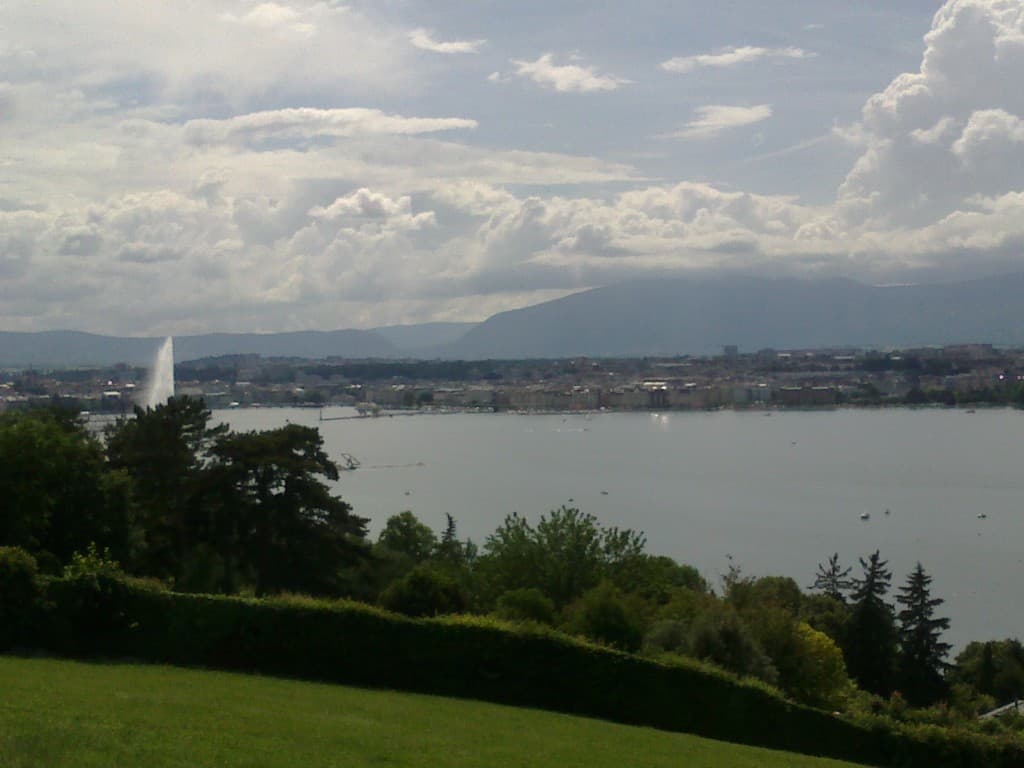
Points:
(160, 384)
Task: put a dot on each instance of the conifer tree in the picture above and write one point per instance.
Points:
(922, 653)
(833, 580)
(870, 645)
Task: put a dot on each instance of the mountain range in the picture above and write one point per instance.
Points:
(696, 315)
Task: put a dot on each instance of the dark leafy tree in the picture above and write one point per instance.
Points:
(405, 534)
(290, 531)
(425, 591)
(56, 494)
(449, 550)
(870, 645)
(604, 614)
(164, 451)
(833, 580)
(567, 553)
(994, 668)
(922, 653)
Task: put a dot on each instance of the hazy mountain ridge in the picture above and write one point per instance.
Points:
(663, 317)
(700, 315)
(74, 348)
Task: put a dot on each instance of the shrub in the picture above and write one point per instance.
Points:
(94, 607)
(603, 614)
(526, 605)
(19, 594)
(720, 637)
(425, 592)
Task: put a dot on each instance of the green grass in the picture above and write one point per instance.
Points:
(78, 715)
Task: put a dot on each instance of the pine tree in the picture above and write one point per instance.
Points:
(870, 645)
(922, 652)
(833, 580)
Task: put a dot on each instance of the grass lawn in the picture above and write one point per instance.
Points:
(73, 715)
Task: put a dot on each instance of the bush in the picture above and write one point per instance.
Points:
(425, 592)
(19, 595)
(526, 605)
(602, 614)
(94, 608)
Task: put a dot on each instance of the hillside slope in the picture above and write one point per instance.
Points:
(73, 715)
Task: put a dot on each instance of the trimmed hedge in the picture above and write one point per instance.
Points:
(351, 643)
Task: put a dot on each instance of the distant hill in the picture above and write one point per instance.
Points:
(651, 317)
(700, 315)
(72, 348)
(412, 338)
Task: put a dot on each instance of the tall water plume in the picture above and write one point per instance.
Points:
(160, 385)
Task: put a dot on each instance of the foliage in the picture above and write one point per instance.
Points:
(827, 615)
(528, 604)
(778, 592)
(164, 450)
(56, 495)
(922, 653)
(870, 645)
(18, 595)
(819, 674)
(719, 636)
(277, 518)
(994, 668)
(425, 591)
(603, 614)
(655, 578)
(405, 534)
(567, 553)
(833, 580)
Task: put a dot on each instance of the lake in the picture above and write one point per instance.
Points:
(779, 492)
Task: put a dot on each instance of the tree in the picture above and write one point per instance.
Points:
(993, 668)
(405, 534)
(425, 591)
(56, 494)
(286, 527)
(604, 614)
(870, 644)
(164, 450)
(566, 554)
(452, 552)
(922, 653)
(833, 580)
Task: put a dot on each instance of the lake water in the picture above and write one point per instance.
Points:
(778, 492)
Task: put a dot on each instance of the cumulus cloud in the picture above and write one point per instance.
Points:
(731, 57)
(165, 206)
(424, 40)
(934, 138)
(714, 120)
(367, 205)
(566, 78)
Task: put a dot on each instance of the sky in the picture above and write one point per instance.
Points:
(191, 166)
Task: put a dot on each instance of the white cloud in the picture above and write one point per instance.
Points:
(566, 78)
(308, 122)
(364, 204)
(714, 120)
(936, 137)
(731, 57)
(423, 39)
(232, 50)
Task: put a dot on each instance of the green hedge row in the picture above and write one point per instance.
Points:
(473, 658)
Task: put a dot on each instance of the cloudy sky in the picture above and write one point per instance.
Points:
(233, 165)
